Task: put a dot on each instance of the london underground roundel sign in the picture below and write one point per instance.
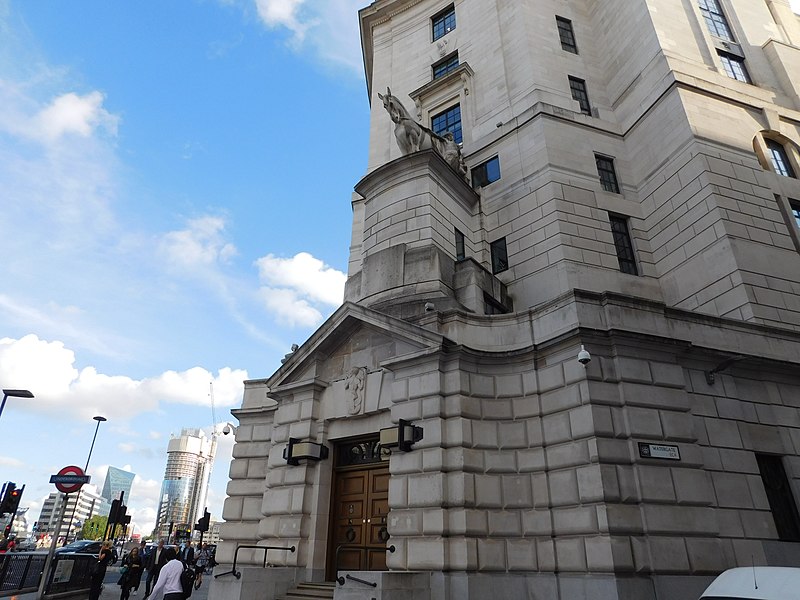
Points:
(69, 479)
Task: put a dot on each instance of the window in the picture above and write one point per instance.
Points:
(623, 244)
(734, 67)
(780, 159)
(493, 307)
(794, 205)
(460, 251)
(608, 176)
(715, 19)
(448, 120)
(486, 173)
(499, 256)
(444, 22)
(443, 67)
(780, 497)
(566, 35)
(579, 93)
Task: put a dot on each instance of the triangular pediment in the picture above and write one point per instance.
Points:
(353, 336)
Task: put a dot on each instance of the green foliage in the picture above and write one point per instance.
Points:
(94, 528)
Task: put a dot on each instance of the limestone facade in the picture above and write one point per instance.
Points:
(532, 478)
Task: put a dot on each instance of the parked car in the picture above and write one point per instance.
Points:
(81, 546)
(755, 583)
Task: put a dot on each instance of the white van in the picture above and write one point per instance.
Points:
(755, 583)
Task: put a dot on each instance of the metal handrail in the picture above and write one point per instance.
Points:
(238, 574)
(341, 580)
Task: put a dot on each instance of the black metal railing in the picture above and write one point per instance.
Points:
(238, 574)
(340, 547)
(21, 572)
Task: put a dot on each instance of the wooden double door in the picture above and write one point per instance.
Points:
(359, 529)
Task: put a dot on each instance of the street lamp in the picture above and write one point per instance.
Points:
(99, 420)
(16, 394)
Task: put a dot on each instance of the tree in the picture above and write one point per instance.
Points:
(93, 528)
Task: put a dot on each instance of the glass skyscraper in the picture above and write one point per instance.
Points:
(117, 481)
(183, 493)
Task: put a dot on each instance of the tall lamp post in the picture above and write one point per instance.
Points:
(99, 420)
(16, 394)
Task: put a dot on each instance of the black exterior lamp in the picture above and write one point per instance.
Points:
(298, 450)
(403, 436)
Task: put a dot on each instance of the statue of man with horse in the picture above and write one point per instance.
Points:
(412, 136)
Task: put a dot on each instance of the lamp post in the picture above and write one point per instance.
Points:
(99, 420)
(16, 394)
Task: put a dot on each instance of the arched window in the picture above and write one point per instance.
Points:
(777, 153)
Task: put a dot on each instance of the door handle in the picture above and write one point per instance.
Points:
(369, 520)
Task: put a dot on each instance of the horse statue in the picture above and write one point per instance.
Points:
(412, 137)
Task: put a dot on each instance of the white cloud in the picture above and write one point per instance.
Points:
(201, 244)
(288, 308)
(295, 287)
(330, 27)
(306, 275)
(7, 461)
(48, 370)
(73, 114)
(795, 5)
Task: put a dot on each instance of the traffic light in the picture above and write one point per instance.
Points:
(204, 522)
(113, 514)
(10, 499)
(7, 531)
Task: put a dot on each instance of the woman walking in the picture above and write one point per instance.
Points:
(99, 571)
(131, 578)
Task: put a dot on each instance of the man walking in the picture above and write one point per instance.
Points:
(155, 560)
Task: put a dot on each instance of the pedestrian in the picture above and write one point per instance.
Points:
(202, 558)
(155, 560)
(143, 554)
(169, 585)
(131, 573)
(187, 554)
(98, 572)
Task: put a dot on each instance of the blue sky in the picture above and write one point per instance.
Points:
(175, 185)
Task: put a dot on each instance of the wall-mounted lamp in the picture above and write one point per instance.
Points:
(403, 436)
(298, 450)
(711, 375)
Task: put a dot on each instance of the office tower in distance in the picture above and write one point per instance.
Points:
(190, 458)
(117, 481)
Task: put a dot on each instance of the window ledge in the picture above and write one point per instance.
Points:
(462, 73)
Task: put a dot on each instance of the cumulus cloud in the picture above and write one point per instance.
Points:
(201, 244)
(307, 275)
(297, 286)
(48, 369)
(74, 114)
(328, 27)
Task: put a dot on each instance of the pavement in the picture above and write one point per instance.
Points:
(111, 591)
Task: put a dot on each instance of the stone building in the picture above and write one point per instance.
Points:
(632, 194)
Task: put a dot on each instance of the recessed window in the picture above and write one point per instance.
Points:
(499, 256)
(608, 176)
(780, 497)
(444, 22)
(794, 205)
(460, 250)
(623, 244)
(715, 19)
(734, 67)
(493, 307)
(780, 159)
(566, 35)
(448, 120)
(486, 173)
(445, 66)
(579, 93)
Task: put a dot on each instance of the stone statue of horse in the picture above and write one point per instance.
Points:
(412, 137)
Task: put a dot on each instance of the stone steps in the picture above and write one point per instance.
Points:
(311, 591)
